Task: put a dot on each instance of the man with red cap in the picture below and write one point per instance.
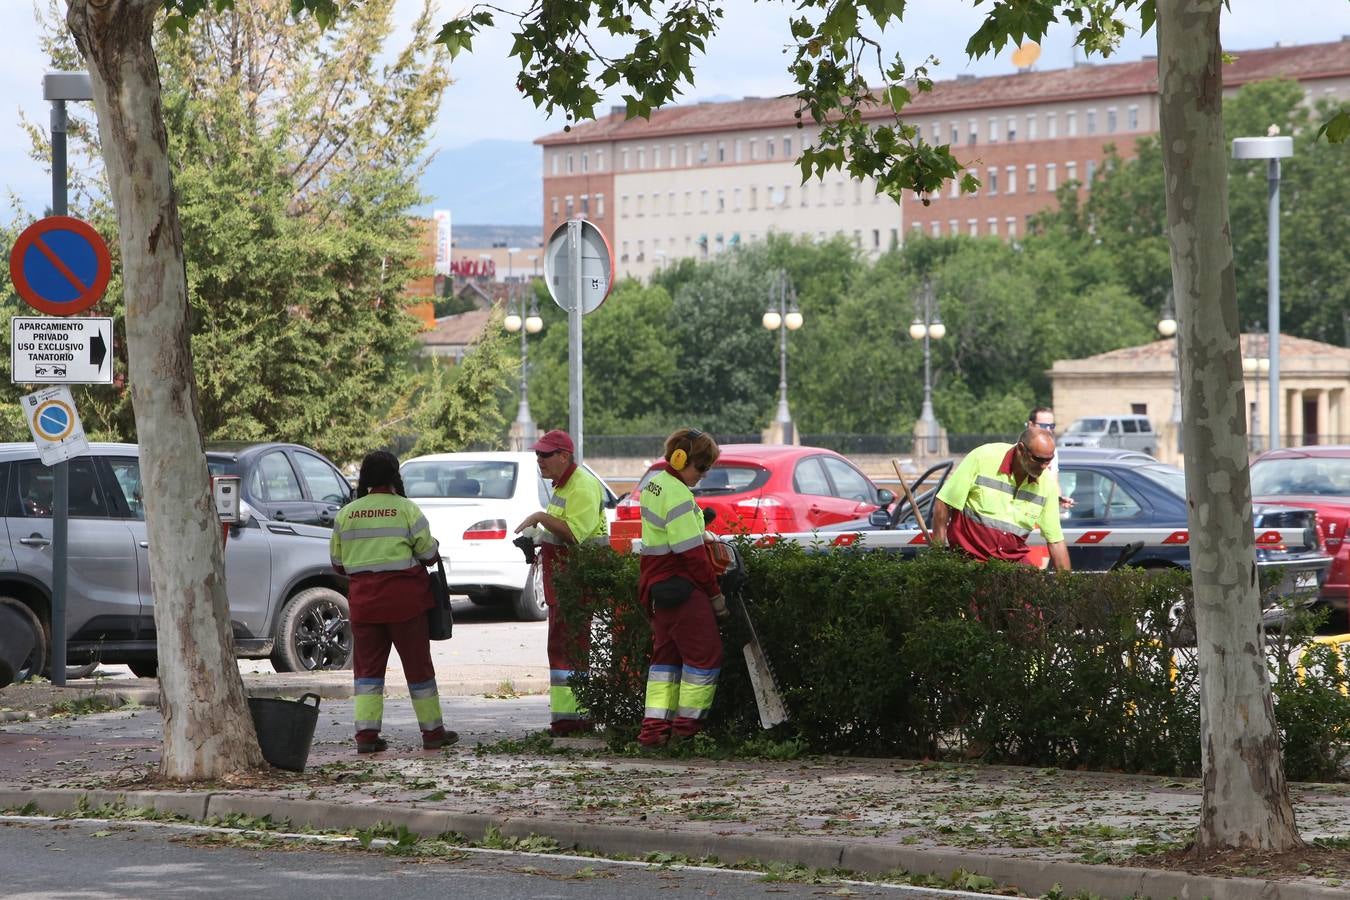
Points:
(575, 513)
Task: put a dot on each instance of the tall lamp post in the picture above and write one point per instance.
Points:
(782, 316)
(927, 325)
(1271, 148)
(517, 320)
(1167, 327)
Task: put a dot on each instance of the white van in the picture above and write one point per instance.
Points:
(1128, 432)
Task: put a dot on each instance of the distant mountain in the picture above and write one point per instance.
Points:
(487, 183)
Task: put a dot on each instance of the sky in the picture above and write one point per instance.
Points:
(746, 58)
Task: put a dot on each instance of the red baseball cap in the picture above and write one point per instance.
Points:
(557, 439)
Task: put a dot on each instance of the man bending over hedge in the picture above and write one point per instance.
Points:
(996, 496)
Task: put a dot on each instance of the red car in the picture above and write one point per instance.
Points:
(1318, 478)
(772, 489)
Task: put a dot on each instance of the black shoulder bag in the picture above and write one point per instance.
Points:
(440, 619)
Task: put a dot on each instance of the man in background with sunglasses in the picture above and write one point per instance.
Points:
(575, 514)
(1044, 417)
(999, 493)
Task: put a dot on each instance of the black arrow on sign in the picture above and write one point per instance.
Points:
(97, 350)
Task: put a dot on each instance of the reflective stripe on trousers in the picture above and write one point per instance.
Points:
(562, 700)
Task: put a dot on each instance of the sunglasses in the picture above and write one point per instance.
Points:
(1048, 426)
(1038, 460)
(539, 455)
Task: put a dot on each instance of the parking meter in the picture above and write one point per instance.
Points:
(225, 490)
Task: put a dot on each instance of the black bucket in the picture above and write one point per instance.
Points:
(285, 729)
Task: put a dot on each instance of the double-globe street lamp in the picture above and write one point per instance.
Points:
(515, 321)
(782, 316)
(1271, 148)
(927, 325)
(1167, 327)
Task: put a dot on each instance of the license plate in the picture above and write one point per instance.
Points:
(1307, 579)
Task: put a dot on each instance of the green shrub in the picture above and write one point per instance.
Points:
(938, 656)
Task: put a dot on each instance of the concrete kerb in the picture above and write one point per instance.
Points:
(327, 687)
(1034, 877)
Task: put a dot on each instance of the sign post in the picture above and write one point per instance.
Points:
(579, 273)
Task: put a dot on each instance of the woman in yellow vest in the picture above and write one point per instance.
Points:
(382, 542)
(677, 586)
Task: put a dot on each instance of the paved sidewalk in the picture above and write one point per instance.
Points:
(1031, 828)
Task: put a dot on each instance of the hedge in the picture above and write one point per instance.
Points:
(941, 657)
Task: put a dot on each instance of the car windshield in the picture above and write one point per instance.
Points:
(1308, 475)
(721, 479)
(1087, 426)
(1169, 477)
(461, 479)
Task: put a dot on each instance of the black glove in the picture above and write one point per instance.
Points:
(526, 545)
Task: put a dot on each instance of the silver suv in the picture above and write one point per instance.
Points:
(286, 602)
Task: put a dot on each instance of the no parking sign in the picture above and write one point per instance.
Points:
(55, 425)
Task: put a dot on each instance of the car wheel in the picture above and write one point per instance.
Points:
(144, 668)
(36, 663)
(315, 633)
(530, 605)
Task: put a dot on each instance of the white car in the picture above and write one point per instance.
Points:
(473, 502)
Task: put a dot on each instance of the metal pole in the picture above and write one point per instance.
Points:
(61, 500)
(784, 415)
(574, 339)
(926, 414)
(1273, 300)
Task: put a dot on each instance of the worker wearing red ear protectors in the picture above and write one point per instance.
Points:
(678, 588)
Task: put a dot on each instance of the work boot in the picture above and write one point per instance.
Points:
(435, 741)
(378, 745)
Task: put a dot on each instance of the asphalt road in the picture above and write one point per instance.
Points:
(45, 860)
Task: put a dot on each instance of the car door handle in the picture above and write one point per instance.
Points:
(143, 544)
(36, 540)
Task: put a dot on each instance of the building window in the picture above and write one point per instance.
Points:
(688, 202)
(555, 207)
(876, 238)
(1051, 126)
(973, 137)
(787, 148)
(670, 203)
(1011, 223)
(1071, 123)
(805, 190)
(623, 254)
(642, 254)
(702, 201)
(953, 227)
(937, 137)
(569, 164)
(1031, 179)
(1110, 120)
(702, 152)
(839, 192)
(642, 158)
(1010, 180)
(992, 226)
(895, 238)
(640, 198)
(935, 227)
(623, 159)
(858, 190)
(585, 162)
(721, 151)
(556, 162)
(736, 199)
(599, 160)
(737, 147)
(721, 201)
(585, 204)
(754, 149)
(1031, 127)
(993, 129)
(754, 197)
(956, 134)
(1012, 128)
(1132, 118)
(992, 183)
(688, 154)
(599, 206)
(1050, 177)
(656, 157)
(973, 227)
(857, 238)
(1091, 121)
(955, 188)
(1070, 171)
(567, 202)
(1091, 171)
(674, 160)
(820, 193)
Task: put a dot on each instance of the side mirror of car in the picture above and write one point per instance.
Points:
(879, 518)
(247, 515)
(709, 516)
(885, 497)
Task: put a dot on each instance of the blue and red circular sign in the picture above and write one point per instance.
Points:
(60, 265)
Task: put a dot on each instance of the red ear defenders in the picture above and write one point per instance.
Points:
(680, 458)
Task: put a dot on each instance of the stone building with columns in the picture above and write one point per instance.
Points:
(1314, 388)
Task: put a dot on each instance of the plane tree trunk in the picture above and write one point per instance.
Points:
(1245, 800)
(208, 731)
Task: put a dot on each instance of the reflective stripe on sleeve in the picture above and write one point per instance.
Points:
(393, 566)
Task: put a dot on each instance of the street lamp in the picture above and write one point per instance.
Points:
(1167, 327)
(925, 327)
(1271, 148)
(782, 316)
(534, 261)
(517, 320)
(510, 270)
